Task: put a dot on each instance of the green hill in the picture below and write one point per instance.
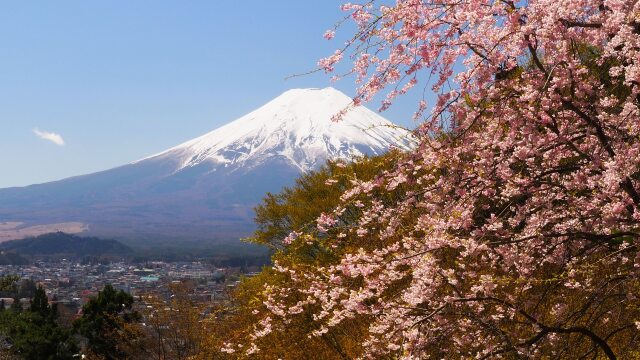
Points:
(11, 258)
(62, 244)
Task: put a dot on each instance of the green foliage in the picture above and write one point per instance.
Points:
(9, 284)
(105, 323)
(34, 337)
(65, 245)
(40, 305)
(27, 289)
(16, 306)
(297, 207)
(12, 258)
(34, 334)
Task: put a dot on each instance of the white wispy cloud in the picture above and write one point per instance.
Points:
(51, 136)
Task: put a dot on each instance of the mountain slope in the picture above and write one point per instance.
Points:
(204, 189)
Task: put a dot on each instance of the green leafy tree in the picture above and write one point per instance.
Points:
(27, 288)
(8, 284)
(35, 338)
(109, 324)
(297, 207)
(16, 306)
(40, 305)
(35, 334)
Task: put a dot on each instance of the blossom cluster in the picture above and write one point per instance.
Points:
(514, 226)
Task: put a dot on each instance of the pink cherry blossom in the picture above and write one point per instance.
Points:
(512, 229)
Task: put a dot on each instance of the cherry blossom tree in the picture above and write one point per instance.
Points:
(515, 224)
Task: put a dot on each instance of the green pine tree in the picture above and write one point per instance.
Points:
(106, 323)
(35, 333)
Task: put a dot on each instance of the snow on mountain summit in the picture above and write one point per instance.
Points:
(295, 127)
(206, 188)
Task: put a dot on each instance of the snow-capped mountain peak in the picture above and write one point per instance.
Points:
(296, 128)
(206, 188)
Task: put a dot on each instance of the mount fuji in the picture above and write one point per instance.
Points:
(205, 188)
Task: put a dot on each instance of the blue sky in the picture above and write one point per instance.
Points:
(120, 80)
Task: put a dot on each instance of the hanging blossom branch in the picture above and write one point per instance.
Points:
(531, 158)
